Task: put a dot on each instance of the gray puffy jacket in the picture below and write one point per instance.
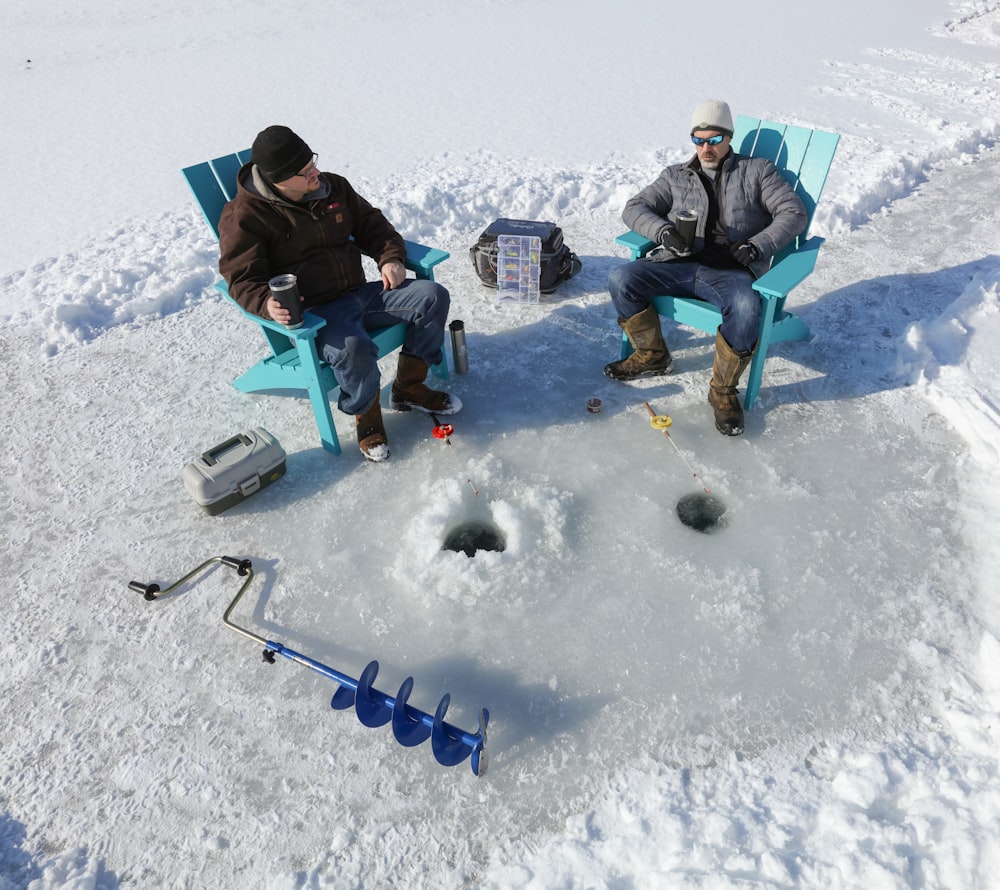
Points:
(756, 204)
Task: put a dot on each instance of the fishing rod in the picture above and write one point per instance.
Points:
(444, 431)
(662, 422)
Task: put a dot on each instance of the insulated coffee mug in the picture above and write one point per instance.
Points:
(686, 222)
(285, 289)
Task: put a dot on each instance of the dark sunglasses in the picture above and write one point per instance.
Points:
(711, 140)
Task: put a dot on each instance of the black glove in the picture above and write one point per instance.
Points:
(745, 253)
(671, 239)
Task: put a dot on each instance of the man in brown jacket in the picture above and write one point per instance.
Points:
(288, 217)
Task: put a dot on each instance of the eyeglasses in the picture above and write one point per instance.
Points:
(709, 140)
(305, 173)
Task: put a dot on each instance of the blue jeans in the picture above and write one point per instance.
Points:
(345, 343)
(632, 284)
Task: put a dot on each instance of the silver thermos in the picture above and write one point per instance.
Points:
(459, 353)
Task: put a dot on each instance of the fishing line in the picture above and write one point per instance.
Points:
(662, 423)
(444, 431)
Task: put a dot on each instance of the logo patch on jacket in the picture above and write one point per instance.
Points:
(333, 205)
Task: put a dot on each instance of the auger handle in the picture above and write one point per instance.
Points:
(151, 591)
(242, 566)
(148, 591)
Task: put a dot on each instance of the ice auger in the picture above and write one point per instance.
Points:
(411, 726)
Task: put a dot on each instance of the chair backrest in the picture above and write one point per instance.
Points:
(214, 184)
(802, 155)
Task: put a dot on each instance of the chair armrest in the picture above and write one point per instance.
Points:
(637, 244)
(422, 259)
(310, 326)
(789, 271)
(310, 323)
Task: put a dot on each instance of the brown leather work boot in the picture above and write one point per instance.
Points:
(409, 390)
(726, 371)
(372, 439)
(651, 355)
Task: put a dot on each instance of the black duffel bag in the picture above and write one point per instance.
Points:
(559, 263)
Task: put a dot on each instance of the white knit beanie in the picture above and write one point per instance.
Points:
(713, 114)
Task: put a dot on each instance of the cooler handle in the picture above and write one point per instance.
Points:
(210, 456)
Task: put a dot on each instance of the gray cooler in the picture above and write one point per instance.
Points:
(232, 471)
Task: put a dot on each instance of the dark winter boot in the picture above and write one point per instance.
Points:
(409, 390)
(651, 355)
(372, 439)
(726, 371)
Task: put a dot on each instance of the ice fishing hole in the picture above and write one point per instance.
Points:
(701, 511)
(475, 535)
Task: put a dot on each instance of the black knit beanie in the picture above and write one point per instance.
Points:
(279, 154)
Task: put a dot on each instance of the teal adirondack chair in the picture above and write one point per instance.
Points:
(294, 363)
(804, 157)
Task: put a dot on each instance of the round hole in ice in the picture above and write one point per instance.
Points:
(701, 511)
(475, 535)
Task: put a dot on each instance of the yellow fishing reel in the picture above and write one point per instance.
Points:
(660, 421)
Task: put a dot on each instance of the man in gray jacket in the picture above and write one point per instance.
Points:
(746, 213)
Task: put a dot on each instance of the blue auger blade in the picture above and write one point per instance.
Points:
(448, 748)
(372, 706)
(408, 723)
(411, 726)
(342, 699)
(480, 760)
